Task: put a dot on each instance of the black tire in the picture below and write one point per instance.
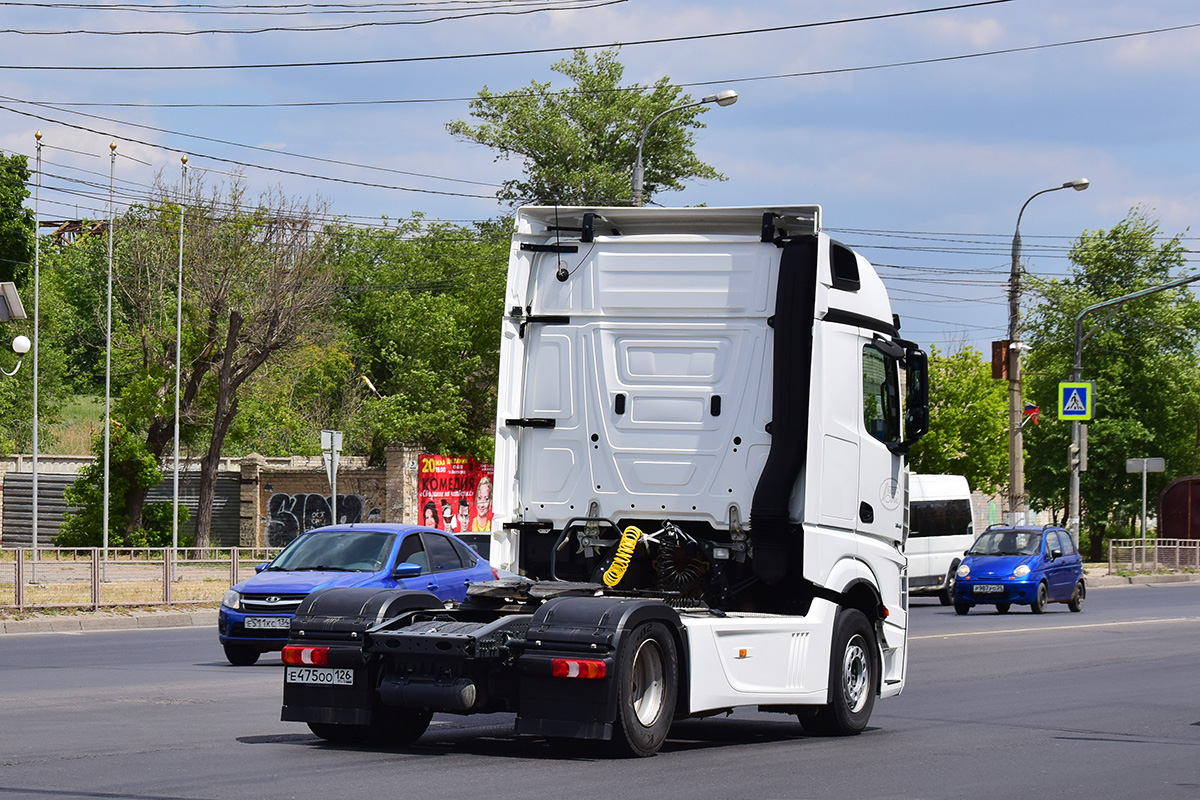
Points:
(390, 726)
(962, 609)
(240, 655)
(853, 679)
(1002, 608)
(647, 673)
(340, 734)
(946, 595)
(399, 726)
(1043, 597)
(1076, 601)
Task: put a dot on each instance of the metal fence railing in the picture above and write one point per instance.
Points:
(1153, 555)
(57, 577)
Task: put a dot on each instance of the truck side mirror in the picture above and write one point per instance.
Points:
(260, 567)
(916, 396)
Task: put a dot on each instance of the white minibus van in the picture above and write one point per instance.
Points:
(941, 528)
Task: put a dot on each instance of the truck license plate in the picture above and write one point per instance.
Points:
(988, 588)
(325, 676)
(268, 623)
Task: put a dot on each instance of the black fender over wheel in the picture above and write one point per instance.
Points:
(853, 679)
(647, 666)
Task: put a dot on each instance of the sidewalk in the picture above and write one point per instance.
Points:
(86, 620)
(116, 620)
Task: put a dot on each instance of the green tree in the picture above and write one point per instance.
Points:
(16, 221)
(422, 306)
(133, 470)
(578, 146)
(968, 427)
(1143, 361)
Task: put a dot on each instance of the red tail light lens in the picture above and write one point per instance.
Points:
(301, 656)
(588, 668)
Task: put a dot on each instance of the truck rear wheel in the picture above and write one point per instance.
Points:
(853, 666)
(391, 726)
(647, 666)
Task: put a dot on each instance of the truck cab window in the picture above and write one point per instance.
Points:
(881, 395)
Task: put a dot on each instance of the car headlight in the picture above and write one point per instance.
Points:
(964, 571)
(1021, 571)
(232, 599)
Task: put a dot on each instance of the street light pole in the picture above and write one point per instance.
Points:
(725, 97)
(1016, 444)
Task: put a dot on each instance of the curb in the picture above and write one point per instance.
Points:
(102, 621)
(1102, 581)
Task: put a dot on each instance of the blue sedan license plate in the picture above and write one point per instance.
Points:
(987, 588)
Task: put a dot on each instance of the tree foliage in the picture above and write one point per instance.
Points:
(968, 427)
(133, 470)
(1143, 362)
(422, 305)
(578, 146)
(16, 221)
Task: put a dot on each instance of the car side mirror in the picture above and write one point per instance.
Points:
(1055, 553)
(262, 566)
(407, 569)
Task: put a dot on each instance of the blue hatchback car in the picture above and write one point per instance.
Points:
(1022, 566)
(256, 614)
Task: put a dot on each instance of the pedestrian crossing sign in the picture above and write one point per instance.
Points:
(1076, 401)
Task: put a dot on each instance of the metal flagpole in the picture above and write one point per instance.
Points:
(112, 166)
(37, 201)
(178, 359)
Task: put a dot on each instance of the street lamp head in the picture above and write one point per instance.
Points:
(725, 97)
(21, 345)
(1079, 184)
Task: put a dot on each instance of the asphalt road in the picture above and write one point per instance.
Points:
(1101, 704)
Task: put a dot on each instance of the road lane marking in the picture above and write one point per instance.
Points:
(1059, 628)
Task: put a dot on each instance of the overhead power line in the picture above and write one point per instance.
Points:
(503, 10)
(502, 53)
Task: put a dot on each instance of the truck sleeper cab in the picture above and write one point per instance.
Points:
(699, 479)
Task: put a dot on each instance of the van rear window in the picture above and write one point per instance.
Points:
(939, 518)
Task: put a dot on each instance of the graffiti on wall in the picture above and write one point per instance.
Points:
(289, 515)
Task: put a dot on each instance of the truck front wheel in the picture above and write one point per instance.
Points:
(852, 679)
(647, 666)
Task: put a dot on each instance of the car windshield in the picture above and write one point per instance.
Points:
(1007, 543)
(338, 551)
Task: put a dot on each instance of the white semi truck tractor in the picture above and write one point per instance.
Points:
(700, 485)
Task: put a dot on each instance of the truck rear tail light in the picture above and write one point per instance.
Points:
(301, 656)
(590, 668)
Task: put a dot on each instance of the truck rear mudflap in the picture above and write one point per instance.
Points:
(328, 676)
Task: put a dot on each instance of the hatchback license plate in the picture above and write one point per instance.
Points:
(268, 623)
(325, 676)
(988, 588)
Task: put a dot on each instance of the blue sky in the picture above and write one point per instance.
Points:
(921, 167)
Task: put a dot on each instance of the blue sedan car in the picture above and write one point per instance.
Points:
(1023, 566)
(256, 614)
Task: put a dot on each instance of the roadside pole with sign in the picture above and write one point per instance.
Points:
(1145, 466)
(331, 444)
